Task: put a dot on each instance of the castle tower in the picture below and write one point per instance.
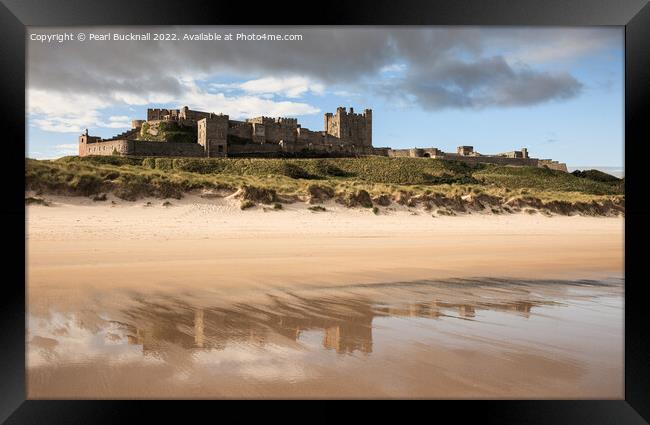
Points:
(367, 114)
(213, 135)
(84, 139)
(350, 126)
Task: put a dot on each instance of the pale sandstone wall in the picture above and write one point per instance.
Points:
(553, 165)
(106, 148)
(142, 148)
(213, 135)
(499, 160)
(350, 126)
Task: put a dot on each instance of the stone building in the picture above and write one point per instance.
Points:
(468, 155)
(184, 132)
(188, 133)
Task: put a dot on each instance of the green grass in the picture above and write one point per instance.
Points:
(544, 179)
(370, 169)
(596, 175)
(352, 181)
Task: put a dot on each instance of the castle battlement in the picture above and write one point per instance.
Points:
(345, 133)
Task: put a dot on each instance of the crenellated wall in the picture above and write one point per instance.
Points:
(84, 140)
(156, 114)
(468, 156)
(356, 128)
(121, 147)
(346, 133)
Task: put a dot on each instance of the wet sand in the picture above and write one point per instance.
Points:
(481, 338)
(202, 300)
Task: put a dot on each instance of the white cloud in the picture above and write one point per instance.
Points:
(67, 149)
(63, 112)
(68, 341)
(291, 87)
(244, 106)
(562, 50)
(60, 112)
(395, 67)
(121, 121)
(570, 44)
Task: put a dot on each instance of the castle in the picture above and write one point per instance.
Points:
(188, 133)
(184, 132)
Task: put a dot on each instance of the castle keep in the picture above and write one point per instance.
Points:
(187, 133)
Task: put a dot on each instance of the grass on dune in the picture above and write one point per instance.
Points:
(131, 178)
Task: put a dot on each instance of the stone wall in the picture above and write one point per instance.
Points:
(399, 153)
(213, 135)
(350, 126)
(187, 114)
(242, 130)
(276, 131)
(307, 136)
(414, 152)
(345, 132)
(84, 140)
(142, 148)
(157, 114)
(553, 165)
(106, 148)
(470, 159)
(498, 160)
(254, 148)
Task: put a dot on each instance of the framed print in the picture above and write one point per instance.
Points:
(436, 201)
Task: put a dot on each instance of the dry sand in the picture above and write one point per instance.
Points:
(197, 241)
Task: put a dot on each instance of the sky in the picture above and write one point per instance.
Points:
(557, 91)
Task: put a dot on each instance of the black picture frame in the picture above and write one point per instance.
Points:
(15, 15)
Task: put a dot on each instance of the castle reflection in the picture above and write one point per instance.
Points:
(346, 323)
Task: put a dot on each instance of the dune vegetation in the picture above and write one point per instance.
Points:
(446, 186)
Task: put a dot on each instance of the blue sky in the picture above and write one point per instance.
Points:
(556, 91)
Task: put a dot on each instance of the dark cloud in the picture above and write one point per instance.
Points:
(446, 67)
(486, 82)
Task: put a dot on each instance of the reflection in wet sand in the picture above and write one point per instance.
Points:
(451, 339)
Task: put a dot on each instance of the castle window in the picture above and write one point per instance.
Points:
(220, 148)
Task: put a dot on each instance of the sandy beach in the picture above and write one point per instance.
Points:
(197, 241)
(200, 299)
